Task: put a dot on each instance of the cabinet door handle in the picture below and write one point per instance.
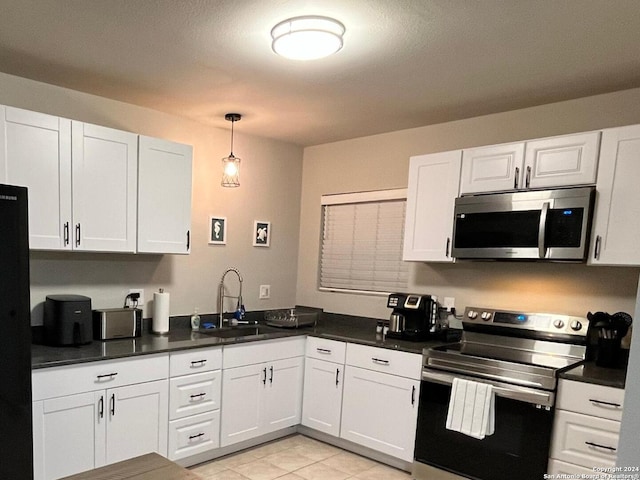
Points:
(337, 376)
(602, 402)
(198, 363)
(101, 407)
(77, 234)
(113, 404)
(515, 180)
(108, 376)
(527, 181)
(379, 360)
(446, 252)
(192, 437)
(324, 351)
(264, 378)
(188, 239)
(596, 252)
(271, 374)
(199, 396)
(413, 395)
(595, 445)
(65, 234)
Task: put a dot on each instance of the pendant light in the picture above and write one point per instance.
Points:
(231, 164)
(307, 38)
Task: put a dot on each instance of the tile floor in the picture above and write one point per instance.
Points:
(296, 458)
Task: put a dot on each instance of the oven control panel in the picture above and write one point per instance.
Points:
(539, 322)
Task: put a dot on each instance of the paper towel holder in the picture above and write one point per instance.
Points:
(160, 321)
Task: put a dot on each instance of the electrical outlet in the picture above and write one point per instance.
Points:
(141, 299)
(449, 303)
(265, 292)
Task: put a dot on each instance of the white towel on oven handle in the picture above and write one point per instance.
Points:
(471, 408)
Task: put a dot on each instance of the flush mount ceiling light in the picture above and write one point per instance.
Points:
(231, 164)
(307, 38)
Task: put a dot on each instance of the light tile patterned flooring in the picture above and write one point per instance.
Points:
(296, 458)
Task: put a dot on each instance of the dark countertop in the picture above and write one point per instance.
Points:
(332, 326)
(589, 372)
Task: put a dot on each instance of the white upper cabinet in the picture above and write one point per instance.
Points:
(105, 169)
(164, 196)
(35, 152)
(544, 163)
(616, 227)
(431, 194)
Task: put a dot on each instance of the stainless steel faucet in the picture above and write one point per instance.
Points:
(222, 296)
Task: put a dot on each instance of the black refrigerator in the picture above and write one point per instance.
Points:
(16, 437)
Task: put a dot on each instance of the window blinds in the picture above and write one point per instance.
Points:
(362, 246)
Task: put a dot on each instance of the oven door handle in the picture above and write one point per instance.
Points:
(512, 392)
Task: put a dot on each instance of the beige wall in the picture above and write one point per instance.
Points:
(270, 187)
(381, 161)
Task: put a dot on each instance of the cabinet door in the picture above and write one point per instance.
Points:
(68, 436)
(433, 188)
(322, 400)
(492, 169)
(616, 227)
(164, 196)
(104, 181)
(242, 394)
(283, 394)
(560, 161)
(137, 420)
(380, 411)
(35, 152)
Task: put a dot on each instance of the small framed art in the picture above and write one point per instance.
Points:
(217, 230)
(261, 233)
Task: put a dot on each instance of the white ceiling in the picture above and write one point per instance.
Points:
(405, 63)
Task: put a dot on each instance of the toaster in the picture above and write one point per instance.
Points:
(110, 323)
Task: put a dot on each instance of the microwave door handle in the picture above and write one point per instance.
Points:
(542, 228)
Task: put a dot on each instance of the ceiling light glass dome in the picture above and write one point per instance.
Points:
(307, 38)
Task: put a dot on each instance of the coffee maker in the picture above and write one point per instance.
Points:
(414, 317)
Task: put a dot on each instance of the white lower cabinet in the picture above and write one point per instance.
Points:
(77, 430)
(380, 410)
(261, 388)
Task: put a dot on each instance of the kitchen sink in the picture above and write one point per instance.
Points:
(240, 331)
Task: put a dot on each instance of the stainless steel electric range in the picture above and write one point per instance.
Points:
(520, 354)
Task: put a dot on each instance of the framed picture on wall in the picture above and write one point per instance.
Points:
(261, 233)
(217, 230)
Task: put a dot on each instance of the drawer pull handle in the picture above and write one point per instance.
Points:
(603, 403)
(595, 445)
(107, 375)
(324, 351)
(192, 437)
(199, 396)
(198, 363)
(380, 360)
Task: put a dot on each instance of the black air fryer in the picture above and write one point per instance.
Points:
(68, 320)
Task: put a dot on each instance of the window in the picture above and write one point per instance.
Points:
(362, 239)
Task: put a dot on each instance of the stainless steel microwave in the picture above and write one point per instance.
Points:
(532, 225)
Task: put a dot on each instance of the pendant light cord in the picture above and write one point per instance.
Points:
(232, 122)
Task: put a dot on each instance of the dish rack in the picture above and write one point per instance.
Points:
(290, 318)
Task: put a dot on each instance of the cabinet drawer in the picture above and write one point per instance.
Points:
(198, 393)
(193, 435)
(68, 380)
(584, 440)
(557, 467)
(329, 350)
(195, 361)
(590, 399)
(263, 351)
(384, 360)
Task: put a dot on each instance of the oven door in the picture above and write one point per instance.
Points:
(518, 449)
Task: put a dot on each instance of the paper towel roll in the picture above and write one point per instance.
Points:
(160, 323)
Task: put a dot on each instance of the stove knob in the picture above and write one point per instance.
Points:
(558, 323)
(576, 325)
(472, 314)
(486, 316)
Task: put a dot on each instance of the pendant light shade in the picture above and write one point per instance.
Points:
(231, 164)
(307, 38)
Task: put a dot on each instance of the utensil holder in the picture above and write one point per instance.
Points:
(608, 353)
